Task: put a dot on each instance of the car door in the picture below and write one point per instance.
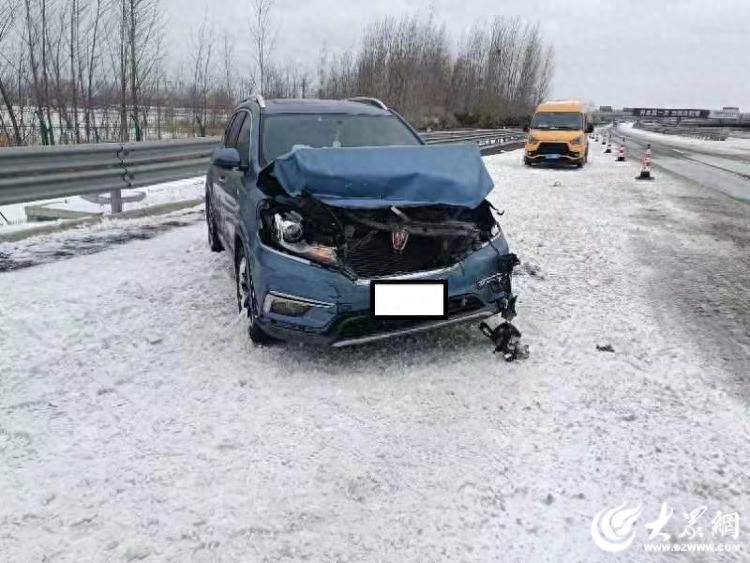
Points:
(233, 184)
(225, 185)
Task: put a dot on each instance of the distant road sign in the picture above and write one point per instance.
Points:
(669, 112)
(725, 114)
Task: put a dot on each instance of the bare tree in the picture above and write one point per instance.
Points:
(91, 60)
(122, 16)
(229, 70)
(35, 43)
(498, 75)
(545, 74)
(263, 35)
(501, 73)
(73, 59)
(7, 16)
(202, 74)
(138, 24)
(93, 70)
(144, 42)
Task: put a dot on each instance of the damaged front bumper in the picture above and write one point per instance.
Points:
(335, 309)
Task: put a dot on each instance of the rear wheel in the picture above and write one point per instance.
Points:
(247, 303)
(213, 238)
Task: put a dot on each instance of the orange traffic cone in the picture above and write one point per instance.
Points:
(646, 166)
(621, 154)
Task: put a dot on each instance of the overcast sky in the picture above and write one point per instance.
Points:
(671, 53)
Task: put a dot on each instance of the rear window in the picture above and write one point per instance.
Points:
(557, 120)
(282, 133)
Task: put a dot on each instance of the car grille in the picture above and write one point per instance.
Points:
(552, 148)
(376, 257)
(365, 325)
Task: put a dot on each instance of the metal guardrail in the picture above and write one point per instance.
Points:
(39, 173)
(704, 133)
(482, 137)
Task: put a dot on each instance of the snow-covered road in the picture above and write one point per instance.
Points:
(717, 165)
(138, 422)
(731, 147)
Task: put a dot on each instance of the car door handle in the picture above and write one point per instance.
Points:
(222, 180)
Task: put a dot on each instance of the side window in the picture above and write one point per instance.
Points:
(245, 139)
(234, 130)
(229, 128)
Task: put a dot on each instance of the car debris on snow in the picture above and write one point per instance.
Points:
(531, 269)
(507, 340)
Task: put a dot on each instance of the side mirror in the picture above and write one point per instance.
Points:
(589, 128)
(227, 158)
(525, 128)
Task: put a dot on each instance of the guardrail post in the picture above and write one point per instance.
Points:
(115, 198)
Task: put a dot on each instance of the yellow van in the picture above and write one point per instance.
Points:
(558, 133)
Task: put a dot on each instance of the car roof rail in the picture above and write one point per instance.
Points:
(257, 98)
(370, 101)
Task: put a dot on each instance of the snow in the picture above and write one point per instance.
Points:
(140, 423)
(89, 239)
(179, 190)
(732, 146)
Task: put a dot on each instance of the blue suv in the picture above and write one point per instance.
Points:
(320, 201)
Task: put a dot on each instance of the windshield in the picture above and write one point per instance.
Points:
(558, 120)
(282, 133)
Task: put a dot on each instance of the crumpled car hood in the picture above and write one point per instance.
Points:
(372, 177)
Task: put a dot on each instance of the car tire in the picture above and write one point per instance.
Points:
(214, 243)
(247, 304)
(526, 161)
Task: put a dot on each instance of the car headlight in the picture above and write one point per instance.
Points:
(288, 227)
(289, 236)
(577, 141)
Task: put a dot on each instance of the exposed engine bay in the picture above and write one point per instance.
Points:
(367, 243)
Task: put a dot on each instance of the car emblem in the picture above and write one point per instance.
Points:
(399, 238)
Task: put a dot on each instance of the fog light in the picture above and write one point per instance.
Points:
(288, 307)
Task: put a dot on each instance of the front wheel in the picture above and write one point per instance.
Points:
(526, 161)
(247, 303)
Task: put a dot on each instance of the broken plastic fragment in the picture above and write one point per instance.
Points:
(507, 340)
